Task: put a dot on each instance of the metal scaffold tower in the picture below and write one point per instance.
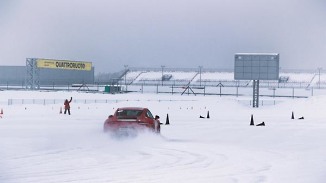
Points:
(33, 74)
(255, 93)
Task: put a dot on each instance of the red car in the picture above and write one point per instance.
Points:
(131, 120)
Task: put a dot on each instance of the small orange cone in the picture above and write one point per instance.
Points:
(60, 110)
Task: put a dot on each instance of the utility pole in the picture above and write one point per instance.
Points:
(126, 69)
(162, 66)
(200, 67)
(319, 69)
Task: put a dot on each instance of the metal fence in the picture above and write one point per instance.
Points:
(222, 90)
(75, 101)
(248, 102)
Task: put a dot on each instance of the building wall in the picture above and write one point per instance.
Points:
(16, 75)
(65, 77)
(12, 75)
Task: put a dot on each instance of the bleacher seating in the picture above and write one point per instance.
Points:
(182, 78)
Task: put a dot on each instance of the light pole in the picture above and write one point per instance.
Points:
(126, 68)
(200, 67)
(319, 69)
(162, 66)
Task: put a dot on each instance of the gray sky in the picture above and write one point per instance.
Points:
(174, 33)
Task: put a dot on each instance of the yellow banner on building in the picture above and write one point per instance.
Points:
(64, 64)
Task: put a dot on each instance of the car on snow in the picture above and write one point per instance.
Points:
(131, 121)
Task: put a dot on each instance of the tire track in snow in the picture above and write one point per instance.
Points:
(91, 160)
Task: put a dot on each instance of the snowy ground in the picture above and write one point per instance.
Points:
(39, 145)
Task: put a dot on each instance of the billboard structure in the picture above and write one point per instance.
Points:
(256, 66)
(34, 67)
(63, 64)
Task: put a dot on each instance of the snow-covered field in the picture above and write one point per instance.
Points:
(39, 145)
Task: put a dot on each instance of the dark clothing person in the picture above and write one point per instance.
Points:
(67, 105)
(157, 126)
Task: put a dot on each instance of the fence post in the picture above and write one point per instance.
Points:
(293, 92)
(274, 92)
(220, 90)
(312, 91)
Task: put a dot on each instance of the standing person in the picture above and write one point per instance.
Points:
(67, 105)
(157, 124)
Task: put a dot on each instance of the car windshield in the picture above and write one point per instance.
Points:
(149, 114)
(128, 114)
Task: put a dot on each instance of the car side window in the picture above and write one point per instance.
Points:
(149, 114)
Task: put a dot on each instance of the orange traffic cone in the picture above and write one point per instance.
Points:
(60, 110)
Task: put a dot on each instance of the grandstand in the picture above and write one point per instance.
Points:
(188, 77)
(155, 77)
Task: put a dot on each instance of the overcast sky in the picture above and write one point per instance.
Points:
(174, 33)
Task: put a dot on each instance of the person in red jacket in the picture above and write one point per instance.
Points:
(67, 105)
